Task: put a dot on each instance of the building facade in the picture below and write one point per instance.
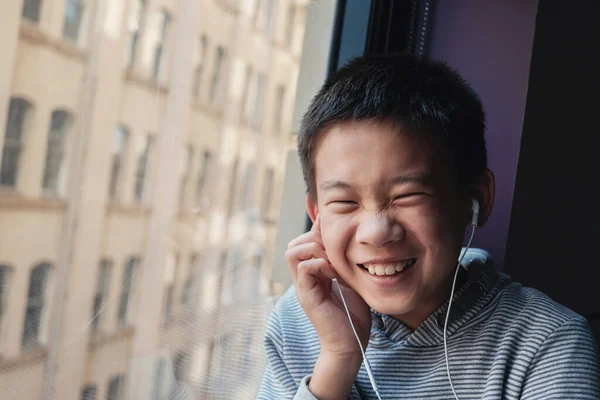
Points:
(142, 163)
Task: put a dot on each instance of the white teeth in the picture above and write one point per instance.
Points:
(389, 269)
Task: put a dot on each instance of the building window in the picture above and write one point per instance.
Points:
(268, 191)
(202, 176)
(136, 19)
(18, 111)
(101, 296)
(89, 392)
(36, 296)
(269, 21)
(179, 366)
(279, 102)
(120, 139)
(31, 10)
(159, 378)
(115, 388)
(235, 171)
(4, 274)
(200, 65)
(185, 175)
(55, 153)
(188, 285)
(126, 288)
(164, 22)
(259, 97)
(244, 106)
(168, 304)
(291, 26)
(143, 166)
(73, 16)
(217, 72)
(247, 190)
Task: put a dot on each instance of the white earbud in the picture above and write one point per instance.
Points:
(475, 217)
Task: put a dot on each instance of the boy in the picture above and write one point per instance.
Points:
(393, 154)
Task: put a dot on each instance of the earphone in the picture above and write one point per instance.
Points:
(474, 222)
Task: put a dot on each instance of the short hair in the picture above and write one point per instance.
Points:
(417, 95)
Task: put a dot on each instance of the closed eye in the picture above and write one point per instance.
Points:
(409, 195)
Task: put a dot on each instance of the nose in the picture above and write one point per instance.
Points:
(379, 229)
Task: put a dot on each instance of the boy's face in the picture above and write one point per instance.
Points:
(387, 203)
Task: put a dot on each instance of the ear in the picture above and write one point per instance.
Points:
(485, 192)
(312, 208)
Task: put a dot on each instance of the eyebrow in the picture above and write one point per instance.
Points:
(413, 177)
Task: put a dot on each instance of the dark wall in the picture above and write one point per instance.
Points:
(555, 223)
(490, 43)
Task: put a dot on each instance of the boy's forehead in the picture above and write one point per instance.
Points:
(371, 151)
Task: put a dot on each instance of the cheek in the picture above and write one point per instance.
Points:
(336, 232)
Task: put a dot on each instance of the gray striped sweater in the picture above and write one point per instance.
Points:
(505, 341)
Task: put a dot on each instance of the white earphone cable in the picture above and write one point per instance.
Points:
(364, 355)
(450, 305)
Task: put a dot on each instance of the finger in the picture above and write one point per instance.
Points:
(311, 272)
(303, 252)
(316, 228)
(305, 238)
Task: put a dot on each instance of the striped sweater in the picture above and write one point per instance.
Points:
(505, 341)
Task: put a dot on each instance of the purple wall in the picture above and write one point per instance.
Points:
(490, 44)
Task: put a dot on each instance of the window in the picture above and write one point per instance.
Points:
(136, 19)
(186, 172)
(245, 92)
(31, 10)
(268, 191)
(279, 101)
(291, 26)
(159, 377)
(188, 285)
(259, 95)
(115, 388)
(161, 43)
(88, 392)
(219, 61)
(200, 64)
(120, 139)
(38, 281)
(179, 366)
(269, 22)
(18, 111)
(202, 176)
(126, 289)
(55, 152)
(101, 296)
(4, 274)
(235, 171)
(73, 14)
(168, 304)
(247, 190)
(142, 168)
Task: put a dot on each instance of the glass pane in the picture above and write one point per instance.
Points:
(161, 133)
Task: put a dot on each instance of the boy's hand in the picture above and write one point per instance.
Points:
(340, 357)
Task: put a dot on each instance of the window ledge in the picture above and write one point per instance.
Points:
(99, 339)
(10, 199)
(128, 209)
(31, 33)
(229, 6)
(211, 109)
(30, 357)
(148, 83)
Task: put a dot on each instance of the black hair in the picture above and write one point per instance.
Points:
(416, 95)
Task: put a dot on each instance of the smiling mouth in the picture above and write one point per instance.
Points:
(389, 268)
